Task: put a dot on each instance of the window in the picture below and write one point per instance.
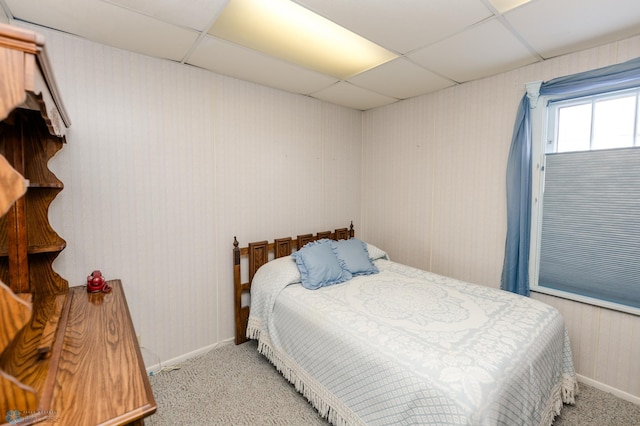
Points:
(585, 239)
(593, 123)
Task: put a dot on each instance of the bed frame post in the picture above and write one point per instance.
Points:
(241, 324)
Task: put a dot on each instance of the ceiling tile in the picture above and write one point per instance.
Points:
(483, 50)
(107, 24)
(228, 59)
(441, 40)
(555, 27)
(347, 94)
(400, 79)
(402, 25)
(196, 14)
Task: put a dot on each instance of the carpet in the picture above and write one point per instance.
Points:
(235, 385)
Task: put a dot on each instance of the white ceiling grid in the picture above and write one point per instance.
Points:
(439, 42)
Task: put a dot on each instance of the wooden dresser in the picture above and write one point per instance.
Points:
(100, 377)
(67, 357)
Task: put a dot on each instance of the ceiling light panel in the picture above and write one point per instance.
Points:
(293, 33)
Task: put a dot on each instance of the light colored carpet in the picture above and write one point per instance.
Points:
(230, 385)
(235, 385)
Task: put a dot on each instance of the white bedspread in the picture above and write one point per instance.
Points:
(407, 346)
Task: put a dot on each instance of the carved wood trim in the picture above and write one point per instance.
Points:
(282, 247)
(37, 80)
(342, 234)
(258, 256)
(303, 239)
(323, 235)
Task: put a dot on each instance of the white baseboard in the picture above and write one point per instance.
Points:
(151, 370)
(606, 388)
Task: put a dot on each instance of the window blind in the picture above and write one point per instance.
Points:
(590, 242)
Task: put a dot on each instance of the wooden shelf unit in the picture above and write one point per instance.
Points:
(32, 131)
(26, 143)
(67, 357)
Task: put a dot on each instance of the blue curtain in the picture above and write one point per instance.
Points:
(515, 270)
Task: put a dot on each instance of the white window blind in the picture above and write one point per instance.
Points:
(590, 241)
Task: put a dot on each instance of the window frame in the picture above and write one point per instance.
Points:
(552, 114)
(541, 126)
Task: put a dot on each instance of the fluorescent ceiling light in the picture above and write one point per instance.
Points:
(503, 6)
(286, 30)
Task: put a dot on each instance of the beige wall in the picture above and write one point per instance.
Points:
(166, 163)
(434, 196)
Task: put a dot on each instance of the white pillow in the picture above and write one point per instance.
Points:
(376, 253)
(282, 269)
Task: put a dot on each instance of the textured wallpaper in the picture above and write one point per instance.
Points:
(166, 163)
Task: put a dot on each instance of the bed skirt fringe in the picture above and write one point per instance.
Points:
(569, 389)
(321, 401)
(563, 393)
(253, 331)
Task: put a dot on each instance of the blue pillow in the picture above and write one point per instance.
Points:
(353, 256)
(318, 265)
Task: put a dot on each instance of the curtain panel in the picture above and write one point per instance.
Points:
(515, 270)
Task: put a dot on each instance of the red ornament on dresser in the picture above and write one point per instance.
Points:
(96, 283)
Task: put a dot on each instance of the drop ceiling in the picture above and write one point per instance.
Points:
(438, 43)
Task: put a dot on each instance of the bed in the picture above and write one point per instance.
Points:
(388, 344)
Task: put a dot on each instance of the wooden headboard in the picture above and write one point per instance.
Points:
(258, 255)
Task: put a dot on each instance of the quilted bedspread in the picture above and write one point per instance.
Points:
(407, 346)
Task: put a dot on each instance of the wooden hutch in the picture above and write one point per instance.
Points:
(67, 357)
